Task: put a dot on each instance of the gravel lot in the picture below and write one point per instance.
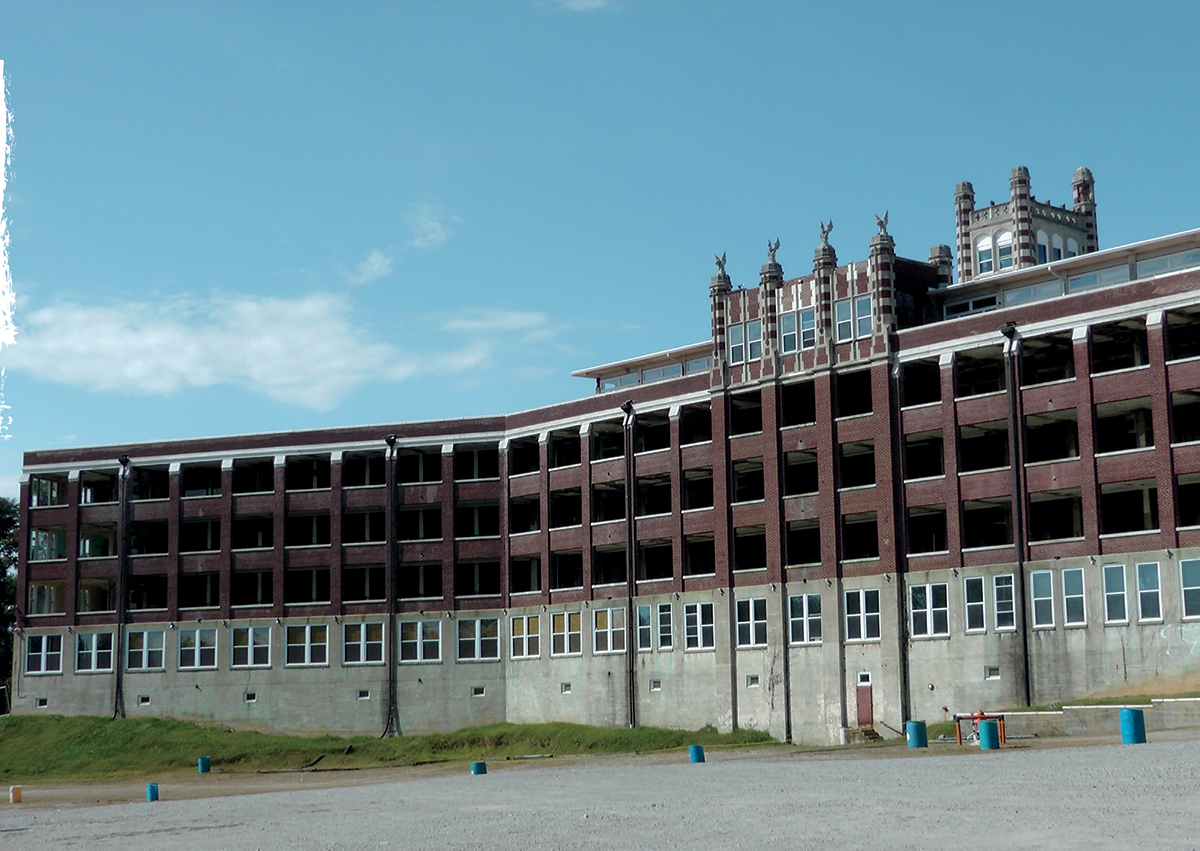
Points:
(1022, 796)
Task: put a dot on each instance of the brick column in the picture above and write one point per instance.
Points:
(964, 206)
(1024, 249)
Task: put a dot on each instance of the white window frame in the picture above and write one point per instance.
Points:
(974, 610)
(150, 642)
(863, 624)
(843, 320)
(699, 626)
(1004, 258)
(645, 627)
(203, 649)
(90, 657)
(666, 627)
(1074, 600)
(608, 630)
(46, 658)
(984, 254)
(1004, 609)
(566, 633)
(754, 340)
(361, 639)
(478, 639)
(789, 338)
(1146, 594)
(312, 650)
(420, 641)
(804, 619)
(864, 320)
(808, 328)
(1112, 595)
(927, 618)
(526, 634)
(1192, 591)
(737, 343)
(254, 642)
(751, 622)
(1042, 598)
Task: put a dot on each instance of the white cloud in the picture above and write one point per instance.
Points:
(377, 265)
(430, 225)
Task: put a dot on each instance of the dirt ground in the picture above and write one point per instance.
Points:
(1060, 793)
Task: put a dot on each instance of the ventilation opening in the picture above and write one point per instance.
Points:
(920, 383)
(564, 688)
(143, 700)
(923, 455)
(364, 694)
(853, 393)
(250, 697)
(656, 685)
(477, 691)
(751, 680)
(1052, 436)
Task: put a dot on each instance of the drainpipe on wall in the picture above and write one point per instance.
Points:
(631, 554)
(122, 591)
(391, 725)
(1012, 350)
(900, 531)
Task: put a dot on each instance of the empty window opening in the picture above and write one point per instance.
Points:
(306, 530)
(419, 581)
(608, 502)
(799, 473)
(695, 424)
(149, 483)
(860, 536)
(752, 680)
(853, 392)
(798, 403)
(566, 570)
(804, 542)
(524, 514)
(198, 536)
(1129, 507)
(306, 585)
(199, 590)
(924, 455)
(99, 595)
(978, 371)
(368, 527)
(147, 592)
(1055, 514)
(196, 480)
(748, 480)
(565, 447)
(566, 508)
(100, 541)
(1185, 416)
(750, 548)
(745, 413)
(97, 487)
(653, 431)
(477, 691)
(416, 466)
(525, 574)
(608, 565)
(525, 456)
(250, 588)
(253, 475)
(697, 488)
(1050, 358)
(983, 446)
(1052, 436)
(306, 474)
(476, 578)
(991, 672)
(476, 462)
(1124, 425)
(656, 560)
(250, 697)
(653, 495)
(420, 523)
(1120, 345)
(143, 700)
(927, 529)
(699, 555)
(47, 598)
(656, 685)
(920, 382)
(360, 470)
(608, 440)
(857, 468)
(564, 688)
(1183, 334)
(48, 543)
(363, 582)
(365, 694)
(47, 490)
(987, 523)
(477, 521)
(148, 537)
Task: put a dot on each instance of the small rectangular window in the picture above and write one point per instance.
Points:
(737, 344)
(752, 680)
(973, 601)
(843, 317)
(754, 340)
(1002, 599)
(656, 685)
(1115, 610)
(808, 329)
(1149, 604)
(862, 316)
(1072, 589)
(787, 333)
(1042, 584)
(991, 672)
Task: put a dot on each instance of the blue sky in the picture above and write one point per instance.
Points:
(233, 217)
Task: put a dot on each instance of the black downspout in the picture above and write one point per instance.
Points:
(1011, 352)
(391, 726)
(900, 501)
(122, 591)
(631, 559)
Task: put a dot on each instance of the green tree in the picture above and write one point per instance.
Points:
(9, 516)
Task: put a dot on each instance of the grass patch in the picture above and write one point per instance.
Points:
(90, 748)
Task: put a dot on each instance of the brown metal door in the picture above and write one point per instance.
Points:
(866, 713)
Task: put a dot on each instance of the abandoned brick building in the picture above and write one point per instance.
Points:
(803, 524)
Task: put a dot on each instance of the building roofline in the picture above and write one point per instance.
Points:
(620, 366)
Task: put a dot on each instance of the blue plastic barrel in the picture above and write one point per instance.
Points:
(202, 765)
(696, 752)
(1133, 727)
(479, 768)
(917, 737)
(989, 735)
(151, 792)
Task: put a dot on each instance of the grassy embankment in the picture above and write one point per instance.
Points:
(88, 748)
